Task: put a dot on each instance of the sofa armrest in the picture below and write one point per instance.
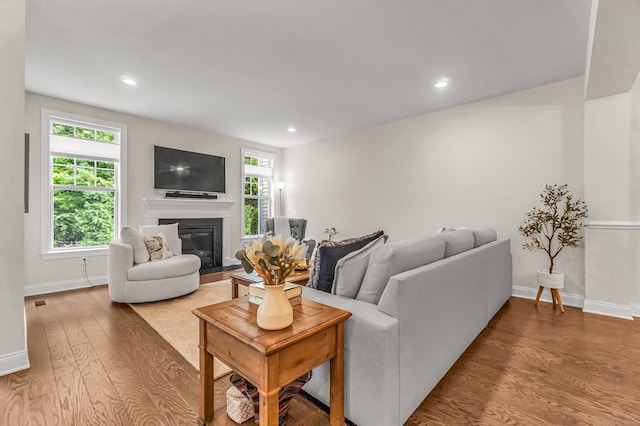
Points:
(371, 362)
(499, 275)
(120, 261)
(441, 308)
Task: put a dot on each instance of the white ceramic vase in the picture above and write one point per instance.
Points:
(553, 280)
(275, 311)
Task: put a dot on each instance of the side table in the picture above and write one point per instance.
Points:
(271, 359)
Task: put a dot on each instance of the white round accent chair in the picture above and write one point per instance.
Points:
(135, 278)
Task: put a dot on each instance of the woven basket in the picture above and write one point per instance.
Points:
(239, 407)
(284, 397)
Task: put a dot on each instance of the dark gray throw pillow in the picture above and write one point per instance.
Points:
(328, 254)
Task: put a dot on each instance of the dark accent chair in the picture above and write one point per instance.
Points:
(298, 228)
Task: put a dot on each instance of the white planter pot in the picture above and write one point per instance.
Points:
(553, 280)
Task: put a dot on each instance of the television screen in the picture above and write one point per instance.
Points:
(178, 170)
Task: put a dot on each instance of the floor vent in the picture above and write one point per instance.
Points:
(40, 303)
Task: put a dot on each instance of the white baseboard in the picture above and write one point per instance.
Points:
(568, 299)
(11, 363)
(589, 306)
(608, 309)
(16, 361)
(53, 287)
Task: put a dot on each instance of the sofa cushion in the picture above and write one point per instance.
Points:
(157, 246)
(457, 241)
(391, 259)
(134, 239)
(176, 266)
(328, 254)
(170, 231)
(483, 236)
(350, 269)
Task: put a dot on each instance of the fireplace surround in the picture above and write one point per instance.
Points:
(187, 209)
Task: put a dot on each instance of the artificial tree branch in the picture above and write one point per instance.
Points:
(543, 227)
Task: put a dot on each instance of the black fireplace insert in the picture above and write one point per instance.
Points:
(202, 237)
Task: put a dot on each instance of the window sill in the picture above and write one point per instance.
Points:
(74, 253)
(249, 238)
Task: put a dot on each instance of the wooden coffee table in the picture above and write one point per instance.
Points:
(242, 278)
(271, 359)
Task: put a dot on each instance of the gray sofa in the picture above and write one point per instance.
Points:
(398, 349)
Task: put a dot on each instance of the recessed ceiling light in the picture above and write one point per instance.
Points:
(129, 81)
(291, 129)
(442, 83)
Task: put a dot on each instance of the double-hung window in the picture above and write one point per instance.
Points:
(82, 184)
(257, 195)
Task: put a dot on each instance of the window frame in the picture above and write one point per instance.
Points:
(262, 154)
(47, 251)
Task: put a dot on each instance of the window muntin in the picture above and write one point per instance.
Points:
(257, 191)
(81, 172)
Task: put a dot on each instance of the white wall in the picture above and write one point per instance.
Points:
(635, 188)
(612, 160)
(607, 161)
(480, 164)
(142, 134)
(609, 252)
(13, 354)
(612, 167)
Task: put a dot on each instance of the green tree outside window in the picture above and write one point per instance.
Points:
(82, 218)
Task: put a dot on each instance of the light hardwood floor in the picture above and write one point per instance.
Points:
(94, 362)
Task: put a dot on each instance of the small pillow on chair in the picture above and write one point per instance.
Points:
(157, 246)
(134, 239)
(170, 232)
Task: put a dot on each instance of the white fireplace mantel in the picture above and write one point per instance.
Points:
(184, 208)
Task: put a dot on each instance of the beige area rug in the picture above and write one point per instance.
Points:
(173, 320)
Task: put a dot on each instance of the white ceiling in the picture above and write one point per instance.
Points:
(250, 69)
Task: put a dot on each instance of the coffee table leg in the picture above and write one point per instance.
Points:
(269, 408)
(234, 288)
(336, 397)
(206, 379)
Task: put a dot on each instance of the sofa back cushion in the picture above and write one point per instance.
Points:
(483, 236)
(134, 239)
(328, 254)
(457, 241)
(350, 269)
(170, 232)
(391, 259)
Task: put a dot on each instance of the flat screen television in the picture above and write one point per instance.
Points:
(177, 170)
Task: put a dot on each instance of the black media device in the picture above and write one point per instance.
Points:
(188, 174)
(178, 194)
